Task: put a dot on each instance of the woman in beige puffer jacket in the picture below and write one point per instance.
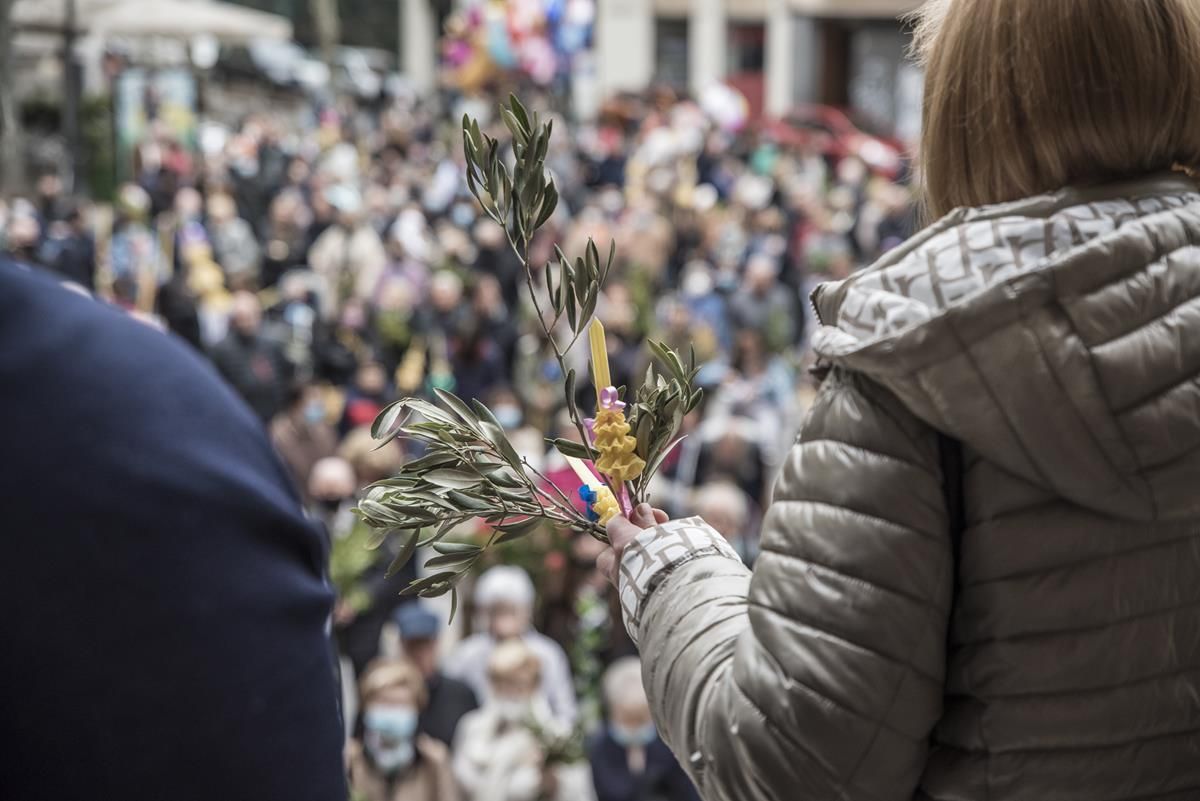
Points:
(980, 576)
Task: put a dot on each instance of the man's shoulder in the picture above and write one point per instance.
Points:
(46, 318)
(450, 687)
(115, 385)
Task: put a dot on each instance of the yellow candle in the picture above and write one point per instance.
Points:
(600, 372)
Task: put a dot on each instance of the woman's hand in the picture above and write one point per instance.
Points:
(621, 532)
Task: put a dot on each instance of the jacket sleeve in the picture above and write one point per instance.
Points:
(819, 675)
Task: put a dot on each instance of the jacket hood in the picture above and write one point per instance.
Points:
(1058, 336)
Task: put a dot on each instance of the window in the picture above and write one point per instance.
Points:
(747, 48)
(671, 51)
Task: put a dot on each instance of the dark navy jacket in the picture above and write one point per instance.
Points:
(162, 608)
(662, 780)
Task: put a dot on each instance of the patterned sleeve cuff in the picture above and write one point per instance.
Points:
(656, 552)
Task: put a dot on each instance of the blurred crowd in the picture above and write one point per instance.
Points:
(327, 271)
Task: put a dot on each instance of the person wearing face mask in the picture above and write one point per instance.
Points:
(392, 761)
(629, 761)
(302, 434)
(499, 751)
(331, 485)
(504, 596)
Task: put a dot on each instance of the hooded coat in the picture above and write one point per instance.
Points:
(980, 576)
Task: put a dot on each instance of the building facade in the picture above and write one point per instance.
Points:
(779, 53)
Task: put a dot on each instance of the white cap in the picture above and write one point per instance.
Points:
(505, 584)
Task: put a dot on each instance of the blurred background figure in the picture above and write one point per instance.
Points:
(726, 507)
(504, 599)
(69, 248)
(514, 748)
(252, 363)
(302, 433)
(629, 762)
(393, 761)
(234, 244)
(448, 699)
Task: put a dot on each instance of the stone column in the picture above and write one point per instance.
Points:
(418, 43)
(807, 55)
(707, 36)
(624, 45)
(781, 58)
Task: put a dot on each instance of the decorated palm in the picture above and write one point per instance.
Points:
(470, 470)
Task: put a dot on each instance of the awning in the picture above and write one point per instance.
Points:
(177, 19)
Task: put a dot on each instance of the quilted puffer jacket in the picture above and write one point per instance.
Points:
(1019, 623)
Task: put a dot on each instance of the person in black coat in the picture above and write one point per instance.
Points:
(69, 249)
(629, 761)
(449, 699)
(165, 611)
(253, 364)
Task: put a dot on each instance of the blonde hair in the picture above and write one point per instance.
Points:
(1028, 96)
(384, 674)
(512, 657)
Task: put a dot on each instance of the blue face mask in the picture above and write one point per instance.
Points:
(640, 737)
(388, 736)
(314, 413)
(392, 722)
(508, 416)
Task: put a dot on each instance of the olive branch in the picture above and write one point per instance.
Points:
(469, 469)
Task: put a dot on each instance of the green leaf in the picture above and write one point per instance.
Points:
(566, 276)
(589, 306)
(411, 514)
(376, 538)
(514, 495)
(457, 548)
(506, 478)
(568, 448)
(644, 430)
(406, 552)
(572, 309)
(543, 143)
(429, 461)
(451, 560)
(442, 530)
(592, 259)
(469, 503)
(572, 407)
(582, 279)
(549, 276)
(458, 406)
(452, 479)
(453, 603)
(612, 253)
(519, 133)
(549, 203)
(655, 463)
(518, 111)
(514, 531)
(429, 497)
(494, 432)
(433, 582)
(387, 418)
